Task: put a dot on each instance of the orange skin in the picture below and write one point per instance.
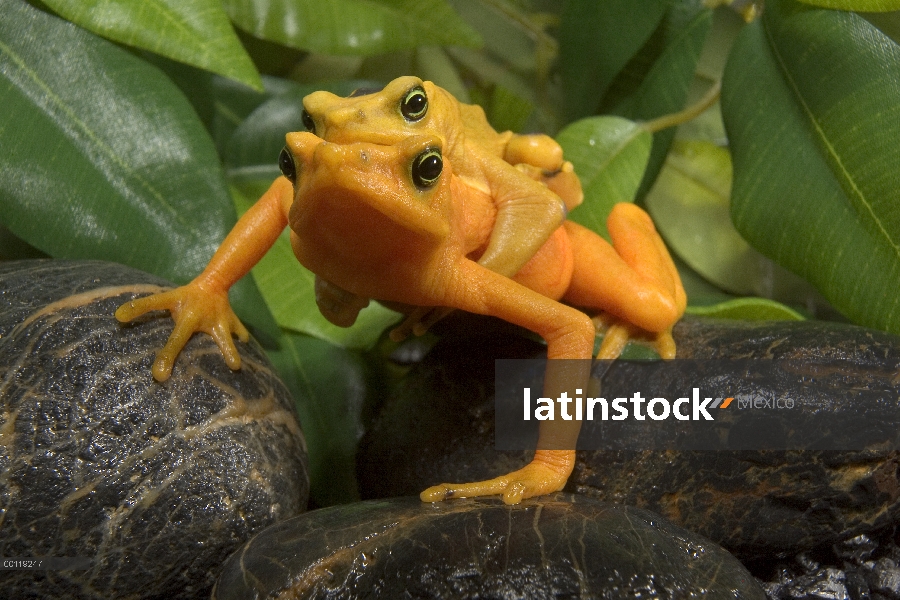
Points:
(524, 175)
(358, 220)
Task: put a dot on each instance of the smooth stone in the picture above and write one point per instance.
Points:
(558, 546)
(438, 427)
(155, 484)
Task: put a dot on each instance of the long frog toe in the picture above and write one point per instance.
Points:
(139, 306)
(664, 344)
(445, 491)
(619, 333)
(547, 473)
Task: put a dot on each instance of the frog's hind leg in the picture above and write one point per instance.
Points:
(633, 280)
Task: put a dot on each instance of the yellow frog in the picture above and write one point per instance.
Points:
(525, 175)
(396, 223)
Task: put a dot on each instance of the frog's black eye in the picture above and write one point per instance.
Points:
(308, 122)
(414, 104)
(426, 168)
(286, 163)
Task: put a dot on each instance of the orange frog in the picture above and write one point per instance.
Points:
(394, 222)
(525, 175)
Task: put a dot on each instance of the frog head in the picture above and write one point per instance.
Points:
(366, 214)
(404, 107)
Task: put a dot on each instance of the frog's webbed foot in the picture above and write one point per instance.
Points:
(193, 308)
(619, 332)
(545, 474)
(419, 321)
(336, 304)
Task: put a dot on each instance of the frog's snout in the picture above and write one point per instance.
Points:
(331, 115)
(302, 145)
(313, 153)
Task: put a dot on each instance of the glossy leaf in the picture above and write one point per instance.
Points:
(690, 204)
(504, 28)
(590, 60)
(811, 102)
(507, 111)
(887, 23)
(100, 155)
(661, 74)
(196, 32)
(329, 388)
(748, 309)
(490, 71)
(700, 292)
(288, 289)
(857, 5)
(610, 155)
(361, 27)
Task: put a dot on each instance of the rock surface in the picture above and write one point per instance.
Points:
(439, 428)
(559, 546)
(860, 568)
(155, 484)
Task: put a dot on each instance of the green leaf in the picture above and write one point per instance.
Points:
(661, 75)
(888, 23)
(233, 103)
(508, 32)
(610, 155)
(700, 292)
(13, 248)
(748, 309)
(597, 39)
(857, 5)
(196, 32)
(361, 27)
(288, 289)
(100, 155)
(690, 204)
(508, 112)
(329, 387)
(811, 101)
(489, 71)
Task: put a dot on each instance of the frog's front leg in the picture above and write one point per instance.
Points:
(202, 305)
(570, 335)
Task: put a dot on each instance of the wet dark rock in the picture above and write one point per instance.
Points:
(885, 578)
(439, 423)
(558, 546)
(861, 568)
(155, 484)
(439, 427)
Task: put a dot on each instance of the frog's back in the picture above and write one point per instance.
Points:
(479, 132)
